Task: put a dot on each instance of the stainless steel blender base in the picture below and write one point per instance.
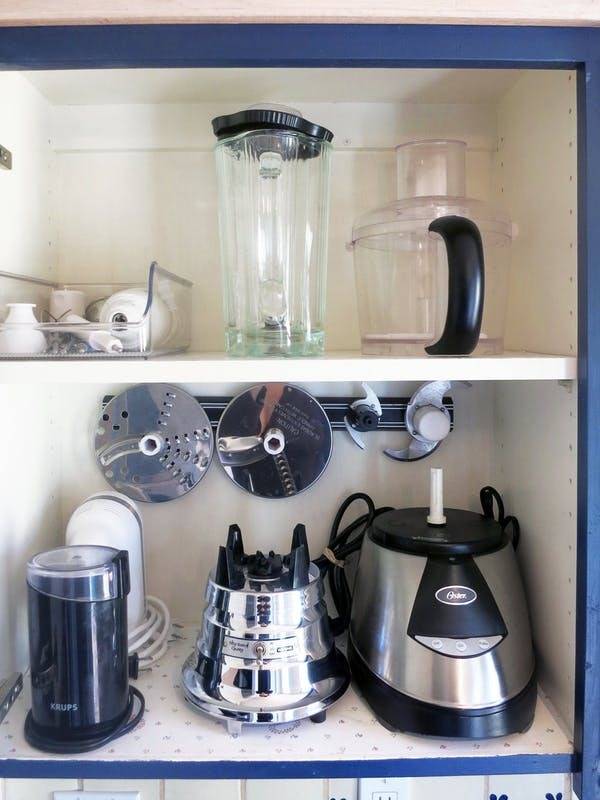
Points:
(323, 694)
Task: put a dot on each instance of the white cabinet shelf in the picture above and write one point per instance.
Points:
(175, 741)
(341, 366)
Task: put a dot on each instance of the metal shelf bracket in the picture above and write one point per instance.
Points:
(5, 158)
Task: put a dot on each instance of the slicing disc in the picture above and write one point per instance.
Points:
(274, 440)
(153, 442)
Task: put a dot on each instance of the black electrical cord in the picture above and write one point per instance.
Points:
(349, 540)
(42, 742)
(341, 545)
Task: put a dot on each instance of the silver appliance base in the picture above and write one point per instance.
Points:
(314, 706)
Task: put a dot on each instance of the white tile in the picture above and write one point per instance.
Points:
(529, 787)
(463, 788)
(342, 789)
(25, 789)
(149, 790)
(286, 790)
(79, 794)
(202, 790)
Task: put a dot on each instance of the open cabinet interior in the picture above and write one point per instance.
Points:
(519, 437)
(113, 169)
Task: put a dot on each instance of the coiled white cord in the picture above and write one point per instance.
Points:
(151, 637)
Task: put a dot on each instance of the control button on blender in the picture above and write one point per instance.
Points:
(437, 644)
(483, 644)
(461, 647)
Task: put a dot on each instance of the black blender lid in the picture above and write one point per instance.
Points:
(255, 119)
(465, 532)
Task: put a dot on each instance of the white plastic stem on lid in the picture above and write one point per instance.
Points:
(436, 498)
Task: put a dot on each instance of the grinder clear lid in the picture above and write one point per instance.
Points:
(84, 573)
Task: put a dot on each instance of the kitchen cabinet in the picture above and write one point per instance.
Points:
(109, 128)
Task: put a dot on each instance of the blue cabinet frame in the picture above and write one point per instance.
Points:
(338, 45)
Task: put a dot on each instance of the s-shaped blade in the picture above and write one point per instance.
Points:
(427, 403)
(363, 415)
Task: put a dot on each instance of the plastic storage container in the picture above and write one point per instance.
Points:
(273, 177)
(402, 267)
(95, 320)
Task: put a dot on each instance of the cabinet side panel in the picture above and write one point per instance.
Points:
(535, 469)
(26, 190)
(29, 471)
(536, 175)
(30, 481)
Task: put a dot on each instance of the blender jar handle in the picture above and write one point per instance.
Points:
(466, 286)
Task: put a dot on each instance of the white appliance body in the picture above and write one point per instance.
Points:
(113, 520)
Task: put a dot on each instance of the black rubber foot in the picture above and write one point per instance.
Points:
(320, 717)
(398, 712)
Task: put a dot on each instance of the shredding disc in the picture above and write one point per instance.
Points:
(274, 440)
(154, 442)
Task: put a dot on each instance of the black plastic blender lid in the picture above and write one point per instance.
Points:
(255, 119)
(465, 532)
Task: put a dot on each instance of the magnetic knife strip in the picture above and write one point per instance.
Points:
(392, 417)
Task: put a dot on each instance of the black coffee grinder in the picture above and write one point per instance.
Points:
(80, 693)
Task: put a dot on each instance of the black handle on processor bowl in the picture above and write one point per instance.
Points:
(466, 286)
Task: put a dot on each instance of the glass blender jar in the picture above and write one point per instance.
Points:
(273, 169)
(432, 267)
